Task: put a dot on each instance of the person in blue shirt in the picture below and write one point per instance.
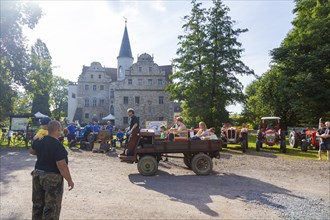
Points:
(72, 129)
(96, 127)
(109, 128)
(119, 137)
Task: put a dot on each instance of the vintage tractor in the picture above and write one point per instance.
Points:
(234, 135)
(270, 133)
(304, 138)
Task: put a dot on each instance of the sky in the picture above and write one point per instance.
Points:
(78, 33)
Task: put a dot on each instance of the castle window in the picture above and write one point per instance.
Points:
(100, 76)
(92, 76)
(94, 87)
(125, 100)
(101, 102)
(161, 99)
(101, 87)
(86, 102)
(137, 100)
(125, 120)
(150, 69)
(73, 95)
(139, 82)
(94, 102)
(149, 82)
(86, 87)
(112, 93)
(86, 115)
(140, 69)
(160, 82)
(129, 81)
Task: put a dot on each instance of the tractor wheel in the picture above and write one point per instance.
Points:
(147, 165)
(91, 138)
(202, 164)
(293, 141)
(258, 145)
(187, 161)
(283, 146)
(244, 146)
(304, 146)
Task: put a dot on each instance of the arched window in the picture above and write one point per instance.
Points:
(121, 72)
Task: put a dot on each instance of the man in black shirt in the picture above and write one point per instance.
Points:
(50, 168)
(134, 121)
(132, 129)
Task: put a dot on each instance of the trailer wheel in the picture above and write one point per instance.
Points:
(187, 161)
(147, 165)
(202, 164)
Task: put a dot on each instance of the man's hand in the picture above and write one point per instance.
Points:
(71, 185)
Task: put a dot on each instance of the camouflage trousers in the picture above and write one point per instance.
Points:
(46, 195)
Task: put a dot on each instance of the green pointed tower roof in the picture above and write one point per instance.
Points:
(125, 48)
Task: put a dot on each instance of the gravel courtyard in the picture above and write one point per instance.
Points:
(242, 186)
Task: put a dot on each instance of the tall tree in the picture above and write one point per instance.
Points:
(208, 62)
(189, 74)
(13, 60)
(59, 97)
(40, 78)
(303, 58)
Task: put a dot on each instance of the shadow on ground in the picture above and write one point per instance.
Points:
(197, 190)
(14, 159)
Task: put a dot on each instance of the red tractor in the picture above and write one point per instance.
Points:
(304, 138)
(270, 133)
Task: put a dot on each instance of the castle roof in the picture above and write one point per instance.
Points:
(125, 48)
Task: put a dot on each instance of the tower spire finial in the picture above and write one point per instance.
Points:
(125, 20)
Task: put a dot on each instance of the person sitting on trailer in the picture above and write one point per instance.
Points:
(202, 132)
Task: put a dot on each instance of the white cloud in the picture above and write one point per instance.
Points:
(158, 5)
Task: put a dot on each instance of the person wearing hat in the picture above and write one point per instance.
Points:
(43, 131)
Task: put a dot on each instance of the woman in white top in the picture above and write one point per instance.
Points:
(202, 132)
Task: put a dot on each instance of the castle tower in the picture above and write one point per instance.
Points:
(125, 58)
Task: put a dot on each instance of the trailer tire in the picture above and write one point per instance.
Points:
(147, 165)
(202, 164)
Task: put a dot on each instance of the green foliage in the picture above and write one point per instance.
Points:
(59, 97)
(303, 58)
(40, 78)
(14, 58)
(208, 61)
(296, 88)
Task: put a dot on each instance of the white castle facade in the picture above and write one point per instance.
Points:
(101, 91)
